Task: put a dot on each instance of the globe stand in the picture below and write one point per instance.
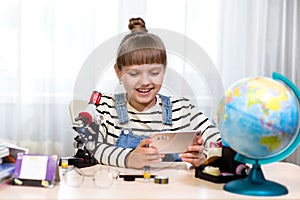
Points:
(255, 184)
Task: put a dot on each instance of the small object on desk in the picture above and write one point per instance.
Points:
(242, 169)
(147, 174)
(215, 171)
(214, 152)
(161, 180)
(6, 172)
(230, 169)
(129, 177)
(64, 163)
(35, 170)
(226, 174)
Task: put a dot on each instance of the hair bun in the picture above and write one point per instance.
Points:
(137, 25)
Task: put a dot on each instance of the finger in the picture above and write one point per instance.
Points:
(153, 157)
(196, 148)
(200, 141)
(146, 151)
(150, 162)
(150, 159)
(190, 155)
(199, 133)
(195, 140)
(145, 142)
(195, 162)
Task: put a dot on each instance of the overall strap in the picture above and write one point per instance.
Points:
(123, 115)
(127, 139)
(121, 108)
(166, 110)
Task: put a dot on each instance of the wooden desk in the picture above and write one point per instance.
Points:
(182, 185)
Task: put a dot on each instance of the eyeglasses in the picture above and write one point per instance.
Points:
(102, 177)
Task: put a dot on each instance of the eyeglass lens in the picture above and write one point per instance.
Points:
(103, 177)
(73, 177)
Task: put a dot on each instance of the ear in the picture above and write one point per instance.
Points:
(118, 71)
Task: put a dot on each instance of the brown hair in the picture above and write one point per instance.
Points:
(140, 47)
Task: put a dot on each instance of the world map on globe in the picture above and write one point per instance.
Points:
(258, 117)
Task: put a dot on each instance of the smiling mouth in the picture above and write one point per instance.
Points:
(144, 90)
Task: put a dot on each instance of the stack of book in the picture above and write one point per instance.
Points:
(6, 169)
(8, 156)
(4, 151)
(6, 172)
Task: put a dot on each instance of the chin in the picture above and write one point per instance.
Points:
(145, 99)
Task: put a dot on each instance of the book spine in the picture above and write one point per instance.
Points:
(4, 151)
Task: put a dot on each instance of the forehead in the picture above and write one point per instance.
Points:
(144, 67)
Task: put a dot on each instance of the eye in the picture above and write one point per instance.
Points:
(155, 73)
(133, 74)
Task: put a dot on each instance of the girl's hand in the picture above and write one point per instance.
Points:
(194, 153)
(144, 154)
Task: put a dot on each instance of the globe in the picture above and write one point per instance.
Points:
(259, 119)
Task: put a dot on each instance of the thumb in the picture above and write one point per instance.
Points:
(145, 142)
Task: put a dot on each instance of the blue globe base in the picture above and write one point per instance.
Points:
(256, 185)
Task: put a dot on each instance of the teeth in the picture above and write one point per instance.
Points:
(144, 90)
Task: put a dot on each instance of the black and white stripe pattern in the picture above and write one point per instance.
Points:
(184, 117)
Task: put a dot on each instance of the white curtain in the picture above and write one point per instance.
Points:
(260, 37)
(43, 44)
(42, 47)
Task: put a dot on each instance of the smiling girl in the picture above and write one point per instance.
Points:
(131, 116)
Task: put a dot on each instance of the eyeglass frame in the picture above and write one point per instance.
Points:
(115, 175)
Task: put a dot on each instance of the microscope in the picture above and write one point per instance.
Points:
(87, 134)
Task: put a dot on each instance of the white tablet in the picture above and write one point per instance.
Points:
(173, 141)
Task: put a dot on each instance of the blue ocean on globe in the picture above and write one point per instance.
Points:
(258, 117)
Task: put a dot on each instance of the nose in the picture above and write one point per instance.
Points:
(145, 79)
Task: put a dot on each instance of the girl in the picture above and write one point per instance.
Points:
(128, 118)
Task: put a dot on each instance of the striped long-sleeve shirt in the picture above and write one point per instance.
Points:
(185, 116)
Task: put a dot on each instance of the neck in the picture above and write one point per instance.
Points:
(143, 106)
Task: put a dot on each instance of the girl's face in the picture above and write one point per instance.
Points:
(142, 83)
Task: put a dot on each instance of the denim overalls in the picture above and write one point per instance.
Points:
(127, 138)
